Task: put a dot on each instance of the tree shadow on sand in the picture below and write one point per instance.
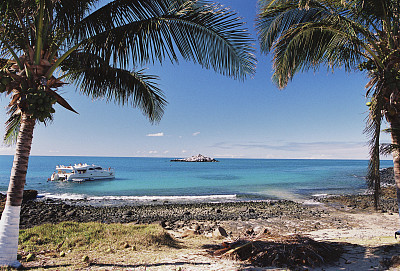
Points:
(94, 264)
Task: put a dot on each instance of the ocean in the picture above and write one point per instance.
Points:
(141, 180)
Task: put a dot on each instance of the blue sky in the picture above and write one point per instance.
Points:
(319, 115)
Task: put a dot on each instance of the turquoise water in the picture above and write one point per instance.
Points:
(230, 179)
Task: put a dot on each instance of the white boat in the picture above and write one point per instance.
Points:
(82, 172)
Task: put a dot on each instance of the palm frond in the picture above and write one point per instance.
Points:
(207, 34)
(12, 125)
(69, 13)
(309, 46)
(117, 13)
(388, 149)
(99, 80)
(308, 34)
(97, 43)
(373, 130)
(277, 17)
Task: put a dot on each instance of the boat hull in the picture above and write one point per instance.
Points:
(81, 173)
(80, 178)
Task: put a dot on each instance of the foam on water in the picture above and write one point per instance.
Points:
(117, 200)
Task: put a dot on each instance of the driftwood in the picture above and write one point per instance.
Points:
(281, 251)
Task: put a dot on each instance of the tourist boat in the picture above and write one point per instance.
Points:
(82, 172)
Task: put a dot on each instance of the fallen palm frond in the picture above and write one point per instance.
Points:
(281, 251)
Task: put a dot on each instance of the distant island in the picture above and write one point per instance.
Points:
(196, 158)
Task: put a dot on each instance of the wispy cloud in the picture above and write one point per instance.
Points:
(306, 150)
(153, 152)
(156, 134)
(196, 133)
(290, 146)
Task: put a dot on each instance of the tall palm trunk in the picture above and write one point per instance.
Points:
(9, 223)
(395, 128)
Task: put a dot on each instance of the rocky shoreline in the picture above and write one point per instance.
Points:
(201, 218)
(168, 215)
(388, 198)
(365, 202)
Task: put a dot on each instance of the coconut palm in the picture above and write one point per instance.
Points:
(349, 34)
(100, 46)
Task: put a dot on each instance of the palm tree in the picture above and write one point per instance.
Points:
(100, 47)
(349, 34)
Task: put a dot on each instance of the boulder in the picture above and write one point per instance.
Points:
(29, 195)
(387, 175)
(220, 232)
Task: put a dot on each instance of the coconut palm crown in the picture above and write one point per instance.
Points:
(355, 35)
(100, 46)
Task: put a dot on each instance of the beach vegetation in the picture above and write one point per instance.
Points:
(74, 245)
(101, 49)
(76, 236)
(354, 35)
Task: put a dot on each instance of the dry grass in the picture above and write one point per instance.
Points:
(93, 236)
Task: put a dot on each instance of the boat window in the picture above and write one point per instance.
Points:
(98, 168)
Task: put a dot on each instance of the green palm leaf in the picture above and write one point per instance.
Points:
(12, 126)
(99, 80)
(207, 34)
(347, 34)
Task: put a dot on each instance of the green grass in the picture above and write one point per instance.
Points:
(84, 236)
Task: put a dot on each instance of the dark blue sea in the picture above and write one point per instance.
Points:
(159, 179)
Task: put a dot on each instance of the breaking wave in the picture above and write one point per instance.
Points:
(119, 200)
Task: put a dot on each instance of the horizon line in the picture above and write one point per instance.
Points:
(173, 157)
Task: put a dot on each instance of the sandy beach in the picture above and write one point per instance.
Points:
(366, 236)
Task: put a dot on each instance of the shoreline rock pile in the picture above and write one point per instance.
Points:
(387, 175)
(205, 216)
(388, 198)
(196, 158)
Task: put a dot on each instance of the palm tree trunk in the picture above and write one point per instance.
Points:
(395, 128)
(9, 223)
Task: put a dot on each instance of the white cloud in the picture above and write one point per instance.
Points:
(165, 152)
(184, 151)
(157, 134)
(153, 152)
(196, 133)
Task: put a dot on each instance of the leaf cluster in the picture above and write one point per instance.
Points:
(351, 34)
(101, 47)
